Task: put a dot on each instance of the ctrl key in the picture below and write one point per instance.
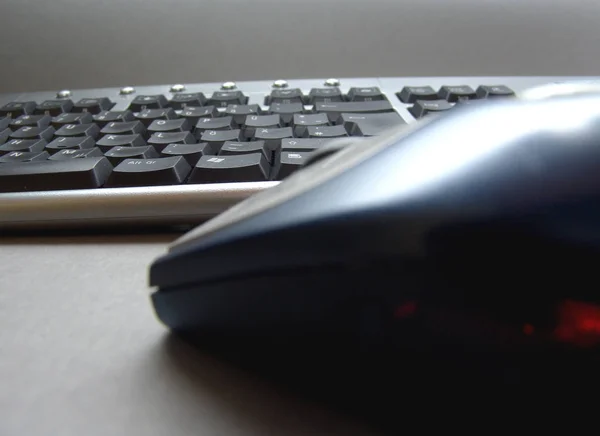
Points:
(149, 172)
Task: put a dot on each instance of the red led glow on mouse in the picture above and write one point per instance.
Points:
(579, 323)
(405, 310)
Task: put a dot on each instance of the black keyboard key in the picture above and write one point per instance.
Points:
(24, 156)
(324, 95)
(285, 96)
(149, 172)
(4, 123)
(28, 145)
(63, 119)
(254, 122)
(54, 175)
(178, 125)
(273, 137)
(105, 117)
(491, 91)
(70, 130)
(239, 112)
(411, 94)
(236, 148)
(302, 121)
(183, 100)
(4, 135)
(302, 144)
(325, 132)
(29, 132)
(190, 152)
(289, 162)
(15, 109)
(107, 142)
(333, 110)
(222, 123)
(162, 139)
(193, 114)
(93, 105)
(73, 143)
(128, 128)
(143, 102)
(455, 93)
(225, 98)
(369, 124)
(216, 138)
(148, 115)
(286, 111)
(372, 93)
(54, 107)
(72, 153)
(31, 120)
(242, 168)
(116, 155)
(422, 108)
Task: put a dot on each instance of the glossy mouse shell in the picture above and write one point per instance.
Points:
(477, 222)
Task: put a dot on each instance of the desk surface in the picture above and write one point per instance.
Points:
(83, 354)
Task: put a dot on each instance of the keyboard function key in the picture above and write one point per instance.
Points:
(222, 169)
(105, 117)
(411, 94)
(15, 109)
(225, 98)
(73, 153)
(324, 95)
(54, 107)
(69, 130)
(126, 128)
(29, 132)
(148, 115)
(72, 143)
(181, 100)
(371, 93)
(116, 155)
(93, 105)
(493, 91)
(293, 95)
(54, 175)
(143, 102)
(107, 142)
(70, 118)
(422, 107)
(190, 152)
(29, 145)
(24, 156)
(149, 172)
(455, 93)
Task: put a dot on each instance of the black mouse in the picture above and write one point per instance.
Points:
(475, 230)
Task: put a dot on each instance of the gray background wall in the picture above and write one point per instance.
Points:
(87, 43)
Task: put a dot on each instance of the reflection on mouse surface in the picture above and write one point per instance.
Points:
(477, 230)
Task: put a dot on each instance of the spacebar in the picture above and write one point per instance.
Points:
(86, 173)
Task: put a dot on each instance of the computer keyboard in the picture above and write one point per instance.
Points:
(180, 154)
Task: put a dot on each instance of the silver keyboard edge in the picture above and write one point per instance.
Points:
(191, 204)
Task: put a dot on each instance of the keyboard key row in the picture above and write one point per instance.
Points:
(411, 94)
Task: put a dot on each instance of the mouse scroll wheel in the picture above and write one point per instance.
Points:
(330, 148)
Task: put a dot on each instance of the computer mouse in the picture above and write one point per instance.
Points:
(475, 230)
